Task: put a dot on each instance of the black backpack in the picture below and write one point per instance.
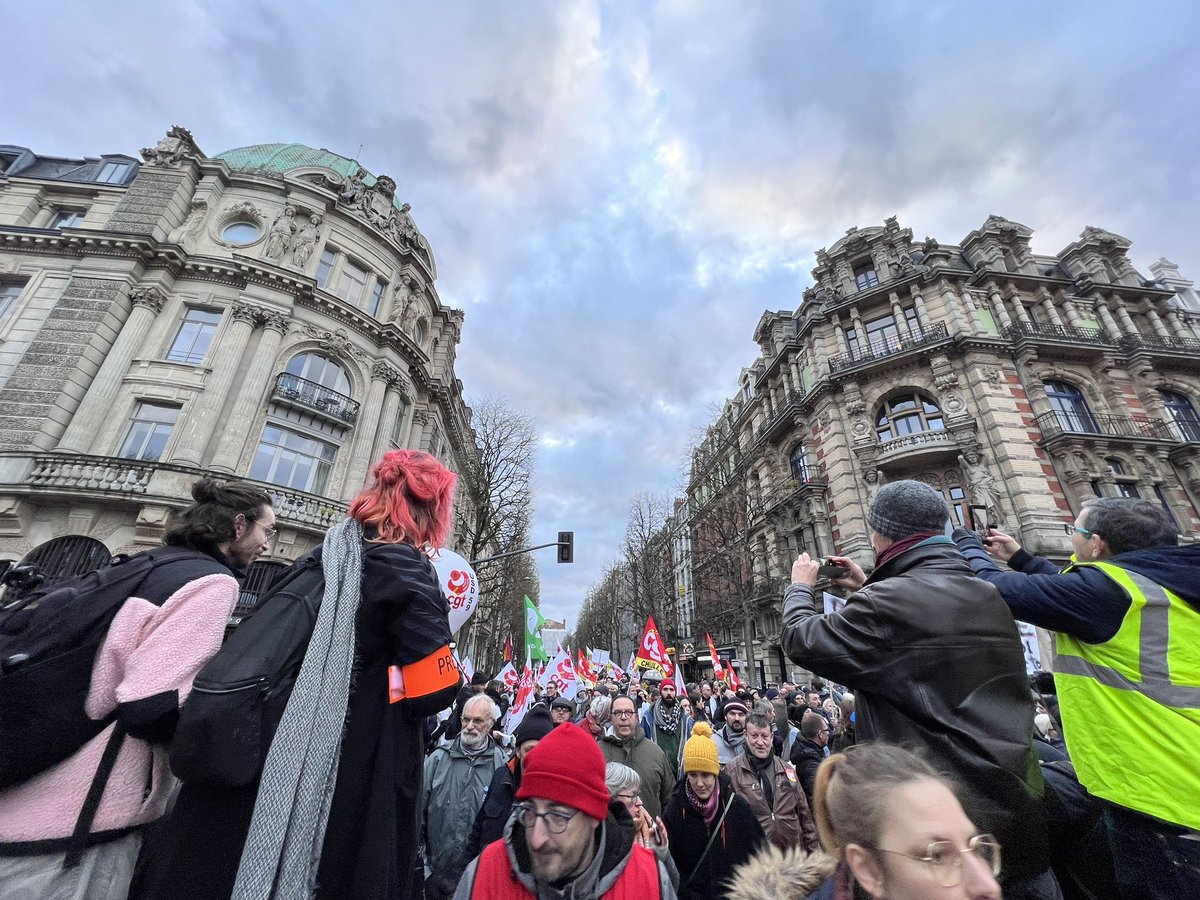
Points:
(48, 646)
(237, 701)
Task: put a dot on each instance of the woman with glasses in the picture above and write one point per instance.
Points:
(891, 829)
(624, 784)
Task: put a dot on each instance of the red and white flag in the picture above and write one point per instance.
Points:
(718, 672)
(734, 681)
(680, 686)
(522, 701)
(651, 654)
(509, 676)
(562, 673)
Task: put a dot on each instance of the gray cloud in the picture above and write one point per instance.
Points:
(615, 192)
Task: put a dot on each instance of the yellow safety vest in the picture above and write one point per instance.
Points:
(1131, 706)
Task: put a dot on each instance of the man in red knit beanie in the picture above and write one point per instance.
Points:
(564, 833)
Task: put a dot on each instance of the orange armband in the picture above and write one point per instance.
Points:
(434, 673)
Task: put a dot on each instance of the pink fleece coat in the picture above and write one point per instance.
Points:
(149, 649)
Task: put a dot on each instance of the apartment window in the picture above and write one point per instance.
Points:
(1183, 414)
(352, 283)
(9, 292)
(907, 414)
(113, 173)
(320, 370)
(194, 336)
(376, 299)
(149, 429)
(328, 258)
(1162, 499)
(957, 499)
(798, 462)
(398, 425)
(67, 218)
(1071, 407)
(294, 460)
(865, 276)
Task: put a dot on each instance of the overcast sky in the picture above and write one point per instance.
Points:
(615, 192)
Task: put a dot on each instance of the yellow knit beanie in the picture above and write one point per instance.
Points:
(700, 753)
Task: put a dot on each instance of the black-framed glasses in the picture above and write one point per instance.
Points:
(556, 820)
(630, 797)
(945, 860)
(1071, 529)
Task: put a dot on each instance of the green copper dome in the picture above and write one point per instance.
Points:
(276, 159)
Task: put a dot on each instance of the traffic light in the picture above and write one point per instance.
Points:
(566, 546)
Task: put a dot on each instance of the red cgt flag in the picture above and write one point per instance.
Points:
(508, 649)
(651, 653)
(716, 661)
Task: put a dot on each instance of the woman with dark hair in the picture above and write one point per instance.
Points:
(334, 814)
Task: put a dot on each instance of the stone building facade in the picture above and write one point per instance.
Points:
(268, 313)
(1018, 383)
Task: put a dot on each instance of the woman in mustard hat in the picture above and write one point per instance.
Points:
(712, 830)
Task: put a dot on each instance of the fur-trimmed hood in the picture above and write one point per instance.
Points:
(774, 874)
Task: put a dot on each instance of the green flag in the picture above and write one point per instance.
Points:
(533, 627)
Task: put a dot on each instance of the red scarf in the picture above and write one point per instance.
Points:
(897, 547)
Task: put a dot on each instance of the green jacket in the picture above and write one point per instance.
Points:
(647, 759)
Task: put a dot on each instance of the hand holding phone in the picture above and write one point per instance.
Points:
(832, 570)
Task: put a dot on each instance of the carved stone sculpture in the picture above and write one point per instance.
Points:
(172, 150)
(305, 240)
(982, 488)
(283, 230)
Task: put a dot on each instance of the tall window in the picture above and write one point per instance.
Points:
(194, 336)
(1126, 482)
(113, 172)
(320, 370)
(328, 258)
(1070, 407)
(149, 429)
(398, 425)
(67, 218)
(798, 462)
(9, 292)
(1183, 414)
(865, 275)
(294, 460)
(376, 297)
(352, 283)
(907, 414)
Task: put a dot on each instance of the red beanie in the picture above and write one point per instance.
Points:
(567, 767)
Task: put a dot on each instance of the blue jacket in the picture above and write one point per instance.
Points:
(1084, 603)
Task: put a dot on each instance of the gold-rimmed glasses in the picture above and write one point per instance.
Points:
(945, 860)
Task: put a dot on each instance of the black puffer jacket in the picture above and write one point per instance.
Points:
(704, 876)
(497, 807)
(934, 659)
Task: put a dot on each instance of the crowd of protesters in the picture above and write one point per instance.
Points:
(918, 760)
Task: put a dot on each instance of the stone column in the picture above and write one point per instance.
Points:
(839, 335)
(968, 303)
(998, 307)
(367, 430)
(199, 421)
(1051, 311)
(96, 410)
(391, 402)
(923, 315)
(1176, 324)
(1156, 322)
(1022, 314)
(1126, 319)
(1072, 313)
(258, 377)
(1106, 320)
(901, 319)
(860, 329)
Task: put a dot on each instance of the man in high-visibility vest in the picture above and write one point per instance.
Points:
(1126, 617)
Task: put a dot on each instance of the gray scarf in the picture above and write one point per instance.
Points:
(283, 847)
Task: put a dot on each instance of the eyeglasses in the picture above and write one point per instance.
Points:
(556, 821)
(945, 861)
(1071, 529)
(631, 797)
(269, 531)
(623, 713)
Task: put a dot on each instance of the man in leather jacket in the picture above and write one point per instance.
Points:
(933, 657)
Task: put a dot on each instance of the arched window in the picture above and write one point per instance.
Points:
(1183, 414)
(1071, 407)
(320, 370)
(798, 463)
(907, 414)
(65, 557)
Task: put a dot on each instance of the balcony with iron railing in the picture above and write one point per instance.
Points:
(1069, 334)
(292, 390)
(886, 349)
(920, 443)
(781, 419)
(1061, 423)
(807, 480)
(1133, 343)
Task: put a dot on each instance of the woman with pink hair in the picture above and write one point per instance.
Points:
(334, 814)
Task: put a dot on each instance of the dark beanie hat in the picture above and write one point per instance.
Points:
(535, 726)
(567, 767)
(901, 508)
(480, 678)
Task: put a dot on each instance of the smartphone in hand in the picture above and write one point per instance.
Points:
(832, 570)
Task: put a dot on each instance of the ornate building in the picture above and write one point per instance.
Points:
(1021, 383)
(268, 313)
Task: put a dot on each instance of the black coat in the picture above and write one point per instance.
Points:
(703, 876)
(807, 758)
(372, 834)
(497, 807)
(935, 662)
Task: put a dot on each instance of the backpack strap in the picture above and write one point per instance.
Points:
(78, 842)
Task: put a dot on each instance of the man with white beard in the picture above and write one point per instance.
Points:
(455, 784)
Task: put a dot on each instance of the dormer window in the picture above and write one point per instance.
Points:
(865, 276)
(113, 172)
(67, 218)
